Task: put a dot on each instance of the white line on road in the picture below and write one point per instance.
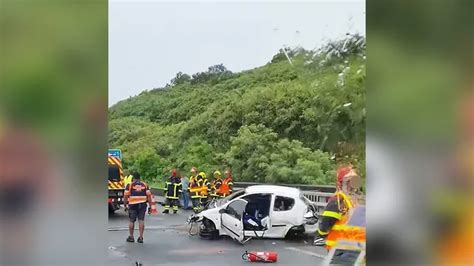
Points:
(306, 252)
(146, 228)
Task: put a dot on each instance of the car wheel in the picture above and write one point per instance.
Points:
(296, 232)
(207, 230)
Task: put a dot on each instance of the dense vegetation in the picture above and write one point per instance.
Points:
(280, 123)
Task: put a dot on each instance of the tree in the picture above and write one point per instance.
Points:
(278, 123)
(180, 78)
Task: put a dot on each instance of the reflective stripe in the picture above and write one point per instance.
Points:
(137, 199)
(169, 197)
(332, 214)
(347, 200)
(322, 232)
(338, 227)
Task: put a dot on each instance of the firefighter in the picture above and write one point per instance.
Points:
(227, 185)
(216, 185)
(128, 178)
(172, 190)
(205, 188)
(337, 206)
(136, 195)
(194, 190)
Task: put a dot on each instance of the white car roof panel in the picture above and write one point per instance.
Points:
(278, 190)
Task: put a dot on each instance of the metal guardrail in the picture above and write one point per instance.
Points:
(318, 194)
(320, 188)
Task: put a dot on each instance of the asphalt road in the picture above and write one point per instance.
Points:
(167, 242)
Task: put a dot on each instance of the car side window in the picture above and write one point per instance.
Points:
(283, 203)
(236, 208)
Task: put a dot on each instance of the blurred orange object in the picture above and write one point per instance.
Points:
(457, 248)
(153, 207)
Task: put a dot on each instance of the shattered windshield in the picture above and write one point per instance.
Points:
(223, 201)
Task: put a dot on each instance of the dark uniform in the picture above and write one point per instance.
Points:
(331, 214)
(172, 190)
(138, 193)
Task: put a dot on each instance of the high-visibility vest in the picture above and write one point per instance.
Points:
(215, 187)
(226, 187)
(205, 188)
(341, 231)
(194, 187)
(137, 192)
(127, 180)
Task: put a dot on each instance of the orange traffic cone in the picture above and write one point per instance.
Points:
(153, 207)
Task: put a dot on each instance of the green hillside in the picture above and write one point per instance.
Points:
(278, 123)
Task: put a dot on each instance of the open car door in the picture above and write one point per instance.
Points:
(231, 219)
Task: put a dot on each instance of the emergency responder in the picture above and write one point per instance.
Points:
(205, 188)
(216, 185)
(337, 206)
(172, 191)
(136, 195)
(227, 185)
(128, 177)
(194, 190)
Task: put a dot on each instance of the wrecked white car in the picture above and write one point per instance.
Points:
(262, 211)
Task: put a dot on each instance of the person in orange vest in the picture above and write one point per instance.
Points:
(194, 190)
(337, 206)
(216, 185)
(136, 196)
(227, 185)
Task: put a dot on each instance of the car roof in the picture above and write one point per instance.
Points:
(278, 190)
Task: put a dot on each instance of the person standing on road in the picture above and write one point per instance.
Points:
(205, 188)
(185, 193)
(172, 190)
(127, 177)
(337, 206)
(227, 185)
(216, 185)
(136, 195)
(194, 190)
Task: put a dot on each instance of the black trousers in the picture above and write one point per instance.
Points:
(172, 203)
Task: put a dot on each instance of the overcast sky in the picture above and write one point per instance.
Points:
(150, 41)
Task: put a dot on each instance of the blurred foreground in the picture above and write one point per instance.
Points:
(420, 132)
(53, 101)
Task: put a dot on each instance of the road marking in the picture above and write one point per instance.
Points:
(199, 251)
(306, 252)
(146, 228)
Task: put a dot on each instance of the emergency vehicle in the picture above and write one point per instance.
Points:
(116, 184)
